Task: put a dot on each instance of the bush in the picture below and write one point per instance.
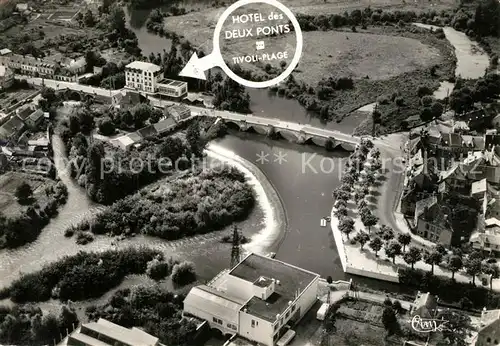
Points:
(383, 100)
(183, 273)
(82, 276)
(159, 270)
(83, 238)
(423, 90)
(399, 101)
(426, 101)
(388, 301)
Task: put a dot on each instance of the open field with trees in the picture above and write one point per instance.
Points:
(27, 204)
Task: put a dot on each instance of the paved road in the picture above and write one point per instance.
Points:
(249, 118)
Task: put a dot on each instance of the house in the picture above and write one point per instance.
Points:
(489, 329)
(179, 112)
(6, 77)
(105, 333)
(425, 305)
(128, 99)
(260, 299)
(455, 177)
(431, 221)
(487, 239)
(478, 189)
(35, 119)
(12, 128)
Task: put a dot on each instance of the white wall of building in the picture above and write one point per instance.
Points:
(259, 330)
(209, 316)
(308, 297)
(143, 80)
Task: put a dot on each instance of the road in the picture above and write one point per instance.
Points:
(249, 118)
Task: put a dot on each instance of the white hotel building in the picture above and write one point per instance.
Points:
(259, 300)
(148, 77)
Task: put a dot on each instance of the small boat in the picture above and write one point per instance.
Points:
(323, 222)
(328, 219)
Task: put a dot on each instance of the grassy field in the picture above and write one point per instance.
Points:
(370, 53)
(8, 184)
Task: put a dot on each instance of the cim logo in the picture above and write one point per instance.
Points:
(427, 325)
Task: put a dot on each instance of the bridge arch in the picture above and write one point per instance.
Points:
(233, 125)
(291, 136)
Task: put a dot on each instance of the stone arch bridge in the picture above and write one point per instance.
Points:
(294, 132)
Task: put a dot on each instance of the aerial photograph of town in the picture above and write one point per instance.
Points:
(249, 172)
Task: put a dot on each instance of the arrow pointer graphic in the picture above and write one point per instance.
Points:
(196, 67)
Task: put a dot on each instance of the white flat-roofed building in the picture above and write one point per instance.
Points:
(148, 77)
(260, 299)
(142, 76)
(172, 88)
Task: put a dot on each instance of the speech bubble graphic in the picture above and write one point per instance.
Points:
(196, 67)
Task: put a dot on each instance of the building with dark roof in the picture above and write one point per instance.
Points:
(260, 299)
(431, 221)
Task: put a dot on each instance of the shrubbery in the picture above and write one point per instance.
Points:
(82, 276)
(27, 325)
(158, 312)
(183, 273)
(448, 289)
(158, 269)
(198, 202)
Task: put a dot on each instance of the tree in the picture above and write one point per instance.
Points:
(88, 19)
(404, 239)
(369, 220)
(346, 225)
(437, 109)
(426, 115)
(457, 327)
(329, 279)
(491, 269)
(194, 139)
(376, 119)
(376, 245)
(412, 256)
(390, 321)
(392, 250)
(183, 273)
(455, 264)
(117, 19)
(341, 211)
(24, 193)
(433, 257)
(473, 268)
(173, 149)
(106, 126)
(386, 233)
(362, 238)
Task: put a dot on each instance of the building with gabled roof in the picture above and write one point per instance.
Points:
(431, 221)
(489, 329)
(260, 299)
(425, 305)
